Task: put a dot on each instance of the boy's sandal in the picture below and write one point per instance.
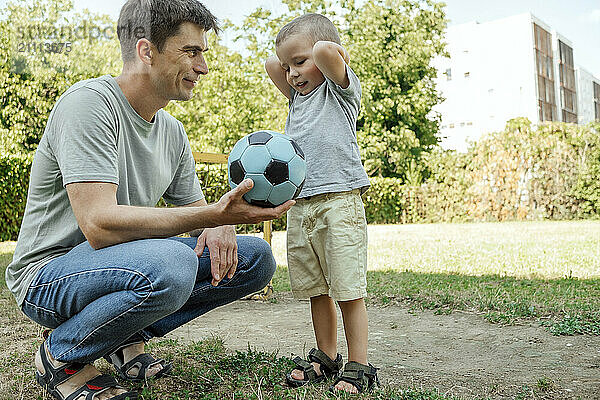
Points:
(142, 362)
(362, 377)
(329, 368)
(53, 377)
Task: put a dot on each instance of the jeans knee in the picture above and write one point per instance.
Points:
(260, 260)
(176, 267)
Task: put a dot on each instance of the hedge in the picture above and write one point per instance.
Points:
(14, 170)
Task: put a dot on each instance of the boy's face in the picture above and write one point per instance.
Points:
(296, 57)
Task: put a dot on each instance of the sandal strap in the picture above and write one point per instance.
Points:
(368, 370)
(363, 377)
(115, 358)
(133, 339)
(54, 376)
(306, 367)
(328, 366)
(142, 362)
(100, 384)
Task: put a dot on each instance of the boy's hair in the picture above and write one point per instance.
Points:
(158, 20)
(315, 26)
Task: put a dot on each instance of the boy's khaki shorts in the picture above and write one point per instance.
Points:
(327, 246)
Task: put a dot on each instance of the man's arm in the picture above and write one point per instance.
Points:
(331, 59)
(199, 203)
(104, 222)
(277, 75)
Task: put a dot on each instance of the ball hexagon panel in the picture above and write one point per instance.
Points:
(282, 192)
(260, 137)
(280, 149)
(298, 191)
(238, 148)
(298, 150)
(297, 170)
(261, 190)
(255, 159)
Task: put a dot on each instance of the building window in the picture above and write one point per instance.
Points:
(448, 74)
(568, 93)
(467, 74)
(545, 74)
(597, 100)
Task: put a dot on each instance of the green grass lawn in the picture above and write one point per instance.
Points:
(545, 250)
(508, 272)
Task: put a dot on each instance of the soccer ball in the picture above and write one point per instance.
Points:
(273, 161)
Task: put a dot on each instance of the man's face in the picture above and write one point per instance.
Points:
(296, 57)
(175, 70)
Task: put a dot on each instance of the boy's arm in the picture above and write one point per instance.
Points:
(331, 59)
(277, 75)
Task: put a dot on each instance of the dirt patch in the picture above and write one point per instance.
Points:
(458, 354)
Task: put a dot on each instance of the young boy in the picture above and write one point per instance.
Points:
(326, 229)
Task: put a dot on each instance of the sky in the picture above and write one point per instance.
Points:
(577, 20)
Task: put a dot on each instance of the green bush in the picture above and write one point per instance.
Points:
(14, 170)
(547, 172)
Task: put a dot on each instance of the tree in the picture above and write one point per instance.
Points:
(37, 65)
(392, 43)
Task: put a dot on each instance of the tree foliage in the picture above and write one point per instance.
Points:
(391, 43)
(33, 73)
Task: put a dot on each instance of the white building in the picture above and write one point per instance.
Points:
(507, 68)
(588, 87)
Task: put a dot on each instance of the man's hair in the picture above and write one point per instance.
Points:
(158, 20)
(315, 26)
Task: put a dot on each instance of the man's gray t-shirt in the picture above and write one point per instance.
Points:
(323, 123)
(94, 135)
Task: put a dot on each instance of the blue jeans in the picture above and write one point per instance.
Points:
(97, 299)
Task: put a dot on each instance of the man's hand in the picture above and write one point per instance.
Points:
(222, 246)
(233, 209)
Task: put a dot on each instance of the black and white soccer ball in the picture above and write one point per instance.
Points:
(273, 161)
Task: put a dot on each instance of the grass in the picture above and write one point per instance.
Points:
(544, 250)
(508, 273)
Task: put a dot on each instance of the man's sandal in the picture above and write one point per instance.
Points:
(142, 362)
(329, 368)
(362, 377)
(53, 377)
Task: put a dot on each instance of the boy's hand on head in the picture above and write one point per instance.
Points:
(331, 59)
